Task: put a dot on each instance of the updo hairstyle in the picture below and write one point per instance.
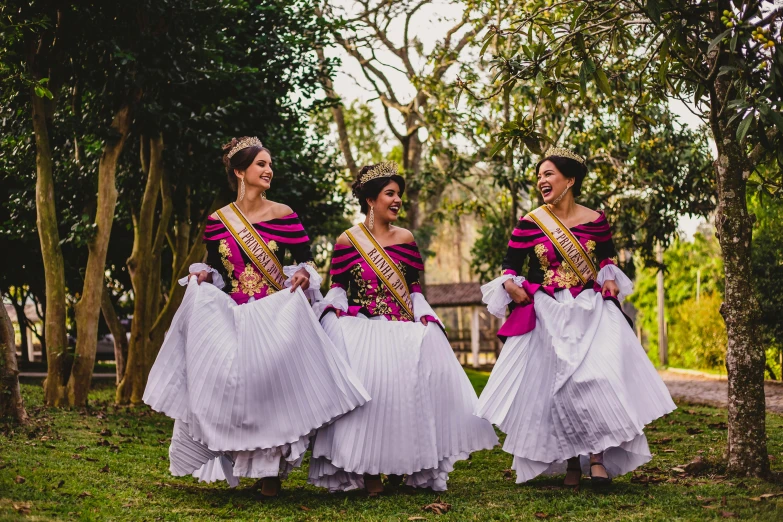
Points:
(570, 168)
(373, 187)
(239, 161)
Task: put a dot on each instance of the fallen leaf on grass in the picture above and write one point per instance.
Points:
(76, 456)
(669, 450)
(678, 469)
(664, 440)
(718, 426)
(416, 518)
(727, 514)
(23, 508)
(697, 465)
(84, 494)
(438, 507)
(541, 515)
(80, 448)
(765, 496)
(60, 484)
(19, 479)
(508, 474)
(705, 499)
(105, 469)
(90, 459)
(693, 431)
(128, 505)
(106, 433)
(304, 508)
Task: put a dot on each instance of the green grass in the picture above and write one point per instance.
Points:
(69, 476)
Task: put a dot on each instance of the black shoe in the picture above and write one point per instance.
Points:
(598, 482)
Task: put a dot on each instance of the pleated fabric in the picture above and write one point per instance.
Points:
(419, 422)
(247, 382)
(579, 383)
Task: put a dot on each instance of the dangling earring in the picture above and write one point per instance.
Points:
(560, 197)
(242, 190)
(263, 195)
(372, 218)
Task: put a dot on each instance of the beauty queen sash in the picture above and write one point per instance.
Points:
(382, 265)
(253, 244)
(565, 242)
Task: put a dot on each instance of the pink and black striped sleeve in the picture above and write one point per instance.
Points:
(408, 254)
(288, 232)
(600, 232)
(523, 238)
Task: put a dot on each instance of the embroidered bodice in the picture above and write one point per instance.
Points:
(366, 293)
(243, 279)
(545, 264)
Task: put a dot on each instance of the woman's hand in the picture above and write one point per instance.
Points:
(300, 278)
(201, 276)
(517, 293)
(610, 288)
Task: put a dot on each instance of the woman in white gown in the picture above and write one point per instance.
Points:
(572, 383)
(246, 370)
(419, 421)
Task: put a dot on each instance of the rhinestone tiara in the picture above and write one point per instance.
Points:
(243, 144)
(385, 169)
(563, 153)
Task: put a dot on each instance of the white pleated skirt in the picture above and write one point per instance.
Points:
(419, 422)
(579, 383)
(247, 385)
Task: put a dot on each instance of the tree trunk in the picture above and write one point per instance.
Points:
(21, 320)
(88, 308)
(339, 119)
(117, 331)
(747, 441)
(11, 403)
(143, 264)
(54, 266)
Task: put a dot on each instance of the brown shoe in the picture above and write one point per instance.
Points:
(573, 473)
(373, 484)
(270, 486)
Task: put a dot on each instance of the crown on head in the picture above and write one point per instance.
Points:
(243, 144)
(385, 169)
(563, 153)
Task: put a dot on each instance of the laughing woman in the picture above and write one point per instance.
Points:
(572, 383)
(419, 421)
(246, 371)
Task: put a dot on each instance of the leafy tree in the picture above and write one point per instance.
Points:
(725, 58)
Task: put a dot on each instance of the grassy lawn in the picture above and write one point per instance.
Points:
(109, 463)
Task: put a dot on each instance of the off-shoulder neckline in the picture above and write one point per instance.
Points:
(412, 243)
(287, 216)
(601, 215)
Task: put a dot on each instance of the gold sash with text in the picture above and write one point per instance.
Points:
(253, 245)
(383, 266)
(565, 242)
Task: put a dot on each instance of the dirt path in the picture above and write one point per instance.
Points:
(713, 390)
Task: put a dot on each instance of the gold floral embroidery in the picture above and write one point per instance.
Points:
(272, 245)
(541, 251)
(363, 286)
(250, 281)
(615, 260)
(566, 278)
(590, 246)
(225, 251)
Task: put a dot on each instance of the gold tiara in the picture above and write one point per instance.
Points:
(563, 153)
(385, 169)
(243, 144)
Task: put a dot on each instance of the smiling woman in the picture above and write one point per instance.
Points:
(572, 388)
(249, 375)
(419, 421)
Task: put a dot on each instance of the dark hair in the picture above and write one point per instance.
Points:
(570, 168)
(239, 161)
(372, 188)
